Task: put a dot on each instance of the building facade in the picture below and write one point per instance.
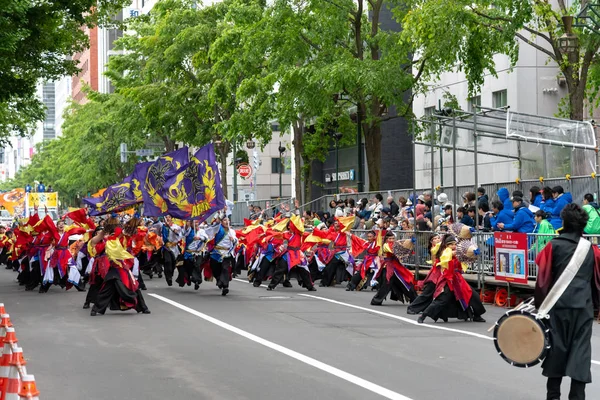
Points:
(533, 86)
(267, 166)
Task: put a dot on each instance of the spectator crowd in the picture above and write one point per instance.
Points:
(538, 212)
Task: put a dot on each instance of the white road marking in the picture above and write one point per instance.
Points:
(246, 281)
(403, 319)
(397, 317)
(356, 380)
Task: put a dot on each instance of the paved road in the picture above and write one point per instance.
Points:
(255, 344)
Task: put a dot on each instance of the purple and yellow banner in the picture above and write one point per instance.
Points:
(114, 199)
(195, 192)
(159, 172)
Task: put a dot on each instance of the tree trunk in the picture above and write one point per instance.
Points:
(169, 144)
(372, 136)
(576, 102)
(579, 166)
(298, 130)
(307, 179)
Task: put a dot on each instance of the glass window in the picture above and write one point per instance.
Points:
(276, 165)
(429, 111)
(499, 99)
(474, 101)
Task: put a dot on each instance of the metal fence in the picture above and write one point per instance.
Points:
(268, 206)
(485, 265)
(577, 186)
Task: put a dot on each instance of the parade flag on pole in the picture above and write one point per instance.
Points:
(138, 178)
(195, 192)
(115, 198)
(161, 170)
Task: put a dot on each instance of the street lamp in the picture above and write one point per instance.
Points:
(337, 136)
(281, 166)
(589, 17)
(568, 42)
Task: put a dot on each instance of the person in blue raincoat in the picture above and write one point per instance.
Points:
(502, 214)
(535, 197)
(504, 196)
(561, 199)
(547, 200)
(523, 222)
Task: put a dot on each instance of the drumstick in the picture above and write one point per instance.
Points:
(491, 328)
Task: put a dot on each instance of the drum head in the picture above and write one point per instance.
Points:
(521, 340)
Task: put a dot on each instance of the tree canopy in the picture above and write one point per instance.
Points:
(478, 30)
(37, 40)
(224, 72)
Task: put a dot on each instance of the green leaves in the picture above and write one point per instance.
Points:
(37, 40)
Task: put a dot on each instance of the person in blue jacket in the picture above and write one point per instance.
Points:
(501, 214)
(523, 222)
(504, 196)
(547, 200)
(561, 199)
(536, 197)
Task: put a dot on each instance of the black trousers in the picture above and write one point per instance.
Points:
(240, 264)
(4, 257)
(424, 299)
(140, 279)
(184, 271)
(92, 293)
(35, 276)
(356, 278)
(281, 270)
(24, 275)
(222, 271)
(266, 269)
(399, 291)
(336, 269)
(553, 389)
(112, 292)
(197, 265)
(169, 264)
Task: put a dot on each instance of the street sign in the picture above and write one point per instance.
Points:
(255, 160)
(123, 149)
(144, 152)
(244, 170)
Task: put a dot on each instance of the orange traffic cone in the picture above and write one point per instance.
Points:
(2, 309)
(12, 384)
(18, 361)
(4, 323)
(11, 336)
(28, 390)
(6, 359)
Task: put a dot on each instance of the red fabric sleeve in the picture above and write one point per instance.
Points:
(358, 245)
(78, 216)
(321, 234)
(544, 277)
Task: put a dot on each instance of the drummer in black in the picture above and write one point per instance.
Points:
(572, 318)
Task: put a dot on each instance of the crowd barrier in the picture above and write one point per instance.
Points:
(484, 267)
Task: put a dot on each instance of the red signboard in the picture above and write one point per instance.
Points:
(511, 261)
(244, 170)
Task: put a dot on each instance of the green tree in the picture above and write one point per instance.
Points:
(87, 157)
(332, 56)
(185, 66)
(36, 42)
(480, 29)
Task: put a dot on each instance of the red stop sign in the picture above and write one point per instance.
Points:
(244, 170)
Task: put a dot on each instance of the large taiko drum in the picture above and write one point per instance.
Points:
(522, 339)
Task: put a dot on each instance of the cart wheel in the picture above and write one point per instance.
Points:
(501, 297)
(487, 296)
